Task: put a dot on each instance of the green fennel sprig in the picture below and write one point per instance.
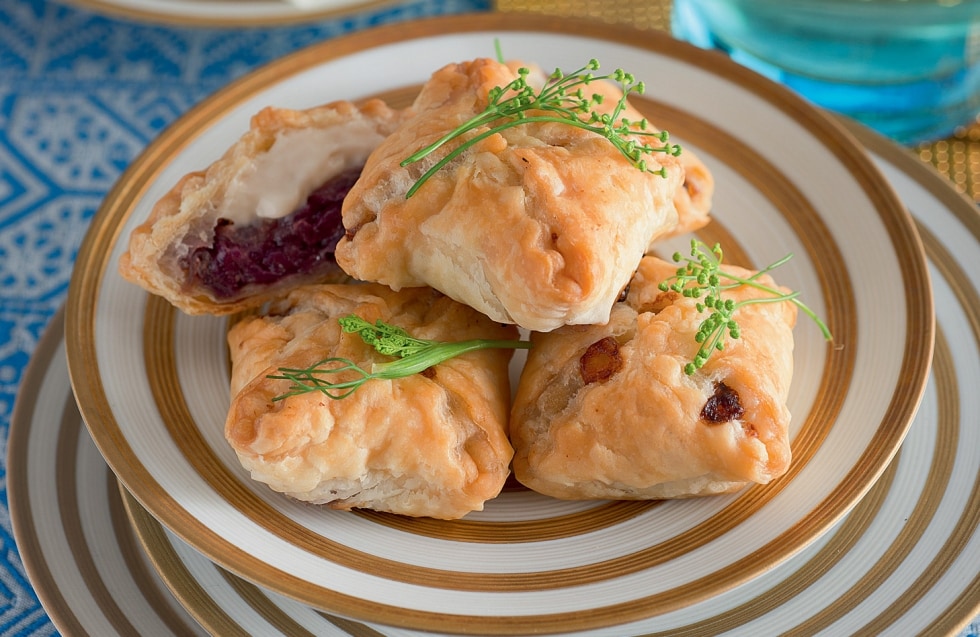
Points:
(562, 99)
(413, 355)
(701, 275)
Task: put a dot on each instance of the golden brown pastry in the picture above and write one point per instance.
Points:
(432, 444)
(607, 411)
(264, 217)
(694, 199)
(541, 225)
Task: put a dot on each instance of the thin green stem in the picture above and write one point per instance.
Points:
(413, 356)
(569, 106)
(701, 276)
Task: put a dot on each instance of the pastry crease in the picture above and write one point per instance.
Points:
(540, 225)
(267, 173)
(431, 444)
(640, 434)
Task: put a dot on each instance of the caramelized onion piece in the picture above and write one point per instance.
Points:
(600, 361)
(723, 406)
(660, 303)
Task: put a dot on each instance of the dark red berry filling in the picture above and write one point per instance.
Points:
(301, 243)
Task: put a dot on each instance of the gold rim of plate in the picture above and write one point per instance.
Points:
(94, 262)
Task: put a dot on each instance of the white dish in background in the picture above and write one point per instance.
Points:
(903, 562)
(152, 383)
(226, 13)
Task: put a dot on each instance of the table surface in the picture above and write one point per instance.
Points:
(83, 90)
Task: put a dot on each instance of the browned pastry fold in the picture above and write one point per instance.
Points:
(694, 199)
(607, 411)
(540, 225)
(432, 444)
(231, 236)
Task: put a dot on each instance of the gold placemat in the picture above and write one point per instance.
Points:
(957, 157)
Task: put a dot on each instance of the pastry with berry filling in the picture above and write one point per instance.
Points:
(634, 409)
(263, 218)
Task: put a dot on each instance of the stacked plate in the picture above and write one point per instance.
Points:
(863, 533)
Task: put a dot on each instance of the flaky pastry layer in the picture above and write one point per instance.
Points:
(267, 173)
(540, 225)
(607, 411)
(432, 444)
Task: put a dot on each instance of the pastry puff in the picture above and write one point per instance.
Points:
(253, 189)
(607, 411)
(432, 444)
(540, 225)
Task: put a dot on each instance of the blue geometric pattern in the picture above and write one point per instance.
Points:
(81, 94)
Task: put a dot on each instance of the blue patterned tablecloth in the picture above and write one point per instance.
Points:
(81, 94)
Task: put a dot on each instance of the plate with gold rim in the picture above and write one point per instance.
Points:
(152, 383)
(73, 534)
(902, 562)
(904, 555)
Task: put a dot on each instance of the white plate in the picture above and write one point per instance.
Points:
(72, 532)
(903, 562)
(224, 13)
(152, 383)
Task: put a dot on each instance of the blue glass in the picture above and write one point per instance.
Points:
(908, 68)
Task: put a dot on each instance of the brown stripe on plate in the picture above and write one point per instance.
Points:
(198, 600)
(67, 435)
(966, 294)
(23, 521)
(937, 482)
(962, 283)
(181, 582)
(275, 615)
(133, 557)
(67, 479)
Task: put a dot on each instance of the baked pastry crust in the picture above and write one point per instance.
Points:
(639, 431)
(267, 173)
(541, 225)
(432, 444)
(694, 199)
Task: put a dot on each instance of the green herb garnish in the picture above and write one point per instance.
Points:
(700, 275)
(562, 99)
(414, 355)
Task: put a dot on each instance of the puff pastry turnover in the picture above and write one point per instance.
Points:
(432, 444)
(264, 217)
(607, 411)
(540, 225)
